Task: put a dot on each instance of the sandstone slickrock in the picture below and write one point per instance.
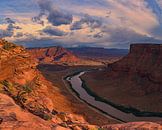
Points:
(15, 118)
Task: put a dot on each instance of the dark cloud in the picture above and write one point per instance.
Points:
(38, 20)
(123, 37)
(34, 42)
(53, 31)
(98, 35)
(5, 33)
(55, 16)
(76, 25)
(9, 21)
(19, 34)
(90, 21)
(126, 35)
(9, 32)
(58, 18)
(11, 27)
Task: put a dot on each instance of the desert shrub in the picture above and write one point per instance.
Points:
(8, 85)
(27, 88)
(47, 117)
(100, 129)
(8, 46)
(41, 113)
(20, 98)
(1, 87)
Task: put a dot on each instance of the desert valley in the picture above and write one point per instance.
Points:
(80, 65)
(34, 83)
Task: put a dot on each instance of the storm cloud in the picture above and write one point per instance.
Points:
(9, 31)
(55, 16)
(90, 21)
(53, 31)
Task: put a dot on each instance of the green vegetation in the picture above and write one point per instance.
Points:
(1, 87)
(125, 109)
(8, 46)
(47, 117)
(8, 86)
(27, 88)
(20, 98)
(18, 95)
(41, 112)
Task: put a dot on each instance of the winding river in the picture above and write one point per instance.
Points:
(76, 84)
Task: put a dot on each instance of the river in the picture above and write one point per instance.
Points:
(76, 84)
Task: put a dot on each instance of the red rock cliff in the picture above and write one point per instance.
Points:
(143, 65)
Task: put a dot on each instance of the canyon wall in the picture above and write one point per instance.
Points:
(143, 66)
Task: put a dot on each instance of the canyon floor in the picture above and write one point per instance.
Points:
(62, 98)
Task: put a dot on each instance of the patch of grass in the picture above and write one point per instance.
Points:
(41, 113)
(1, 87)
(20, 98)
(8, 86)
(8, 46)
(47, 117)
(27, 88)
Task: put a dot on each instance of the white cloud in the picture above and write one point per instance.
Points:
(137, 16)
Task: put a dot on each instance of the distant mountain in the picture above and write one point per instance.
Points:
(94, 52)
(58, 55)
(53, 54)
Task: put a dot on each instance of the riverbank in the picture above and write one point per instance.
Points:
(84, 93)
(125, 109)
(114, 91)
(64, 100)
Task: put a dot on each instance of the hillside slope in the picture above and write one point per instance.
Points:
(24, 95)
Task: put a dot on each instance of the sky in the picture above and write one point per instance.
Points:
(76, 23)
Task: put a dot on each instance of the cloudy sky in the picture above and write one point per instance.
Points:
(71, 23)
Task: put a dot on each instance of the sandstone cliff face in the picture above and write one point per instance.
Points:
(143, 67)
